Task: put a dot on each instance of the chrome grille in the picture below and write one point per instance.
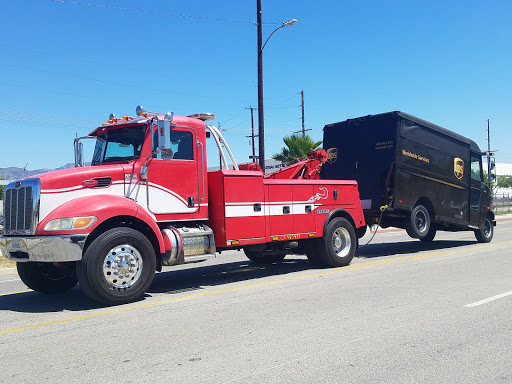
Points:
(21, 206)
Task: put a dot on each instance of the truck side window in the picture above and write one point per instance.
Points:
(476, 169)
(184, 145)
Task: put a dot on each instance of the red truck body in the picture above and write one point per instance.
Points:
(110, 225)
(246, 208)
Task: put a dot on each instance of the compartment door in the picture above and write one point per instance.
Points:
(244, 208)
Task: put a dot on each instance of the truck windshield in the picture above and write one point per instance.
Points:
(119, 144)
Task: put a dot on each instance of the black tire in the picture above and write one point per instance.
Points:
(260, 257)
(47, 278)
(418, 226)
(311, 249)
(338, 246)
(361, 231)
(485, 232)
(430, 235)
(118, 267)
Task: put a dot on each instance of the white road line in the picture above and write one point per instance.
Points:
(8, 281)
(485, 301)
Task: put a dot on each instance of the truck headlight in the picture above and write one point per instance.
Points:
(70, 223)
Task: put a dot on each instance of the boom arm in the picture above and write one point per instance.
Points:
(306, 169)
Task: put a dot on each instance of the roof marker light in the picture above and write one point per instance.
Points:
(204, 116)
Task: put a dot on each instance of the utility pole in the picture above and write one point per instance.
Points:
(252, 136)
(491, 160)
(301, 93)
(261, 45)
(302, 106)
(489, 154)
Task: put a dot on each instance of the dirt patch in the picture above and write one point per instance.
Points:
(4, 263)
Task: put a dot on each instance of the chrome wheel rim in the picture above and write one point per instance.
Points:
(341, 242)
(122, 266)
(421, 222)
(487, 228)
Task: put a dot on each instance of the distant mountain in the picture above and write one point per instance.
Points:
(15, 173)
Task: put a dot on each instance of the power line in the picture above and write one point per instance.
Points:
(156, 12)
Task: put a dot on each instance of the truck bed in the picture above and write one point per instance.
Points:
(245, 208)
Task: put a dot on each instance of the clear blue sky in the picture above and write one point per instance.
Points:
(66, 66)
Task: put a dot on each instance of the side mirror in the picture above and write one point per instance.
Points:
(164, 134)
(144, 172)
(79, 154)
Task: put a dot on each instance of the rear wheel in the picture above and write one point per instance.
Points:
(118, 266)
(361, 231)
(46, 277)
(338, 246)
(311, 247)
(262, 257)
(485, 232)
(418, 225)
(430, 235)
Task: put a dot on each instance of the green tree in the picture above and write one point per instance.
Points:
(2, 189)
(297, 147)
(504, 181)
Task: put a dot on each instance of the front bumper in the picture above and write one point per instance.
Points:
(49, 249)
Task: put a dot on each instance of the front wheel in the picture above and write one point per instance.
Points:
(118, 266)
(485, 232)
(46, 277)
(338, 246)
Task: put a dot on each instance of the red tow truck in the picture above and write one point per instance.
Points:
(148, 201)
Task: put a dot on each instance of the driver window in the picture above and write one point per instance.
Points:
(476, 169)
(182, 146)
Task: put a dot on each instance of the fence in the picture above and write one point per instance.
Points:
(502, 202)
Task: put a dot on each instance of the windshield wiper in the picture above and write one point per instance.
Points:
(117, 158)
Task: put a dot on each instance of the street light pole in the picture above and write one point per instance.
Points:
(25, 169)
(261, 124)
(261, 118)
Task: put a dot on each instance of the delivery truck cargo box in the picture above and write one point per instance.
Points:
(401, 162)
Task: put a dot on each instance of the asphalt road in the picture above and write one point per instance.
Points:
(402, 312)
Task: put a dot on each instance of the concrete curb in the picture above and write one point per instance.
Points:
(8, 271)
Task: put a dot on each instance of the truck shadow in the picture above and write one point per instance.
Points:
(171, 281)
(35, 302)
(177, 281)
(406, 247)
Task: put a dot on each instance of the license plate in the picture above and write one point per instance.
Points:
(16, 244)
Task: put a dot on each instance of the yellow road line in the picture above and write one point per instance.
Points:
(15, 293)
(324, 272)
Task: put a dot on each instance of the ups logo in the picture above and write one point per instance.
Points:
(332, 154)
(458, 167)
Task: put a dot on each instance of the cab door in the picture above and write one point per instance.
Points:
(477, 191)
(173, 175)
